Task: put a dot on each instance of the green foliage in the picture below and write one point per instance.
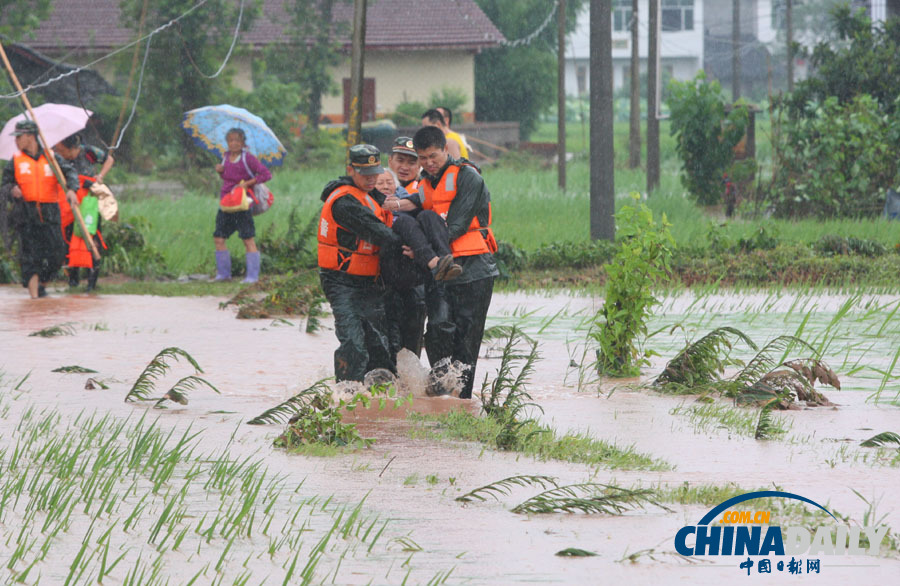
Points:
(20, 16)
(283, 411)
(128, 252)
(66, 329)
(274, 101)
(314, 51)
(701, 362)
(178, 392)
(290, 294)
(857, 60)
(640, 264)
(832, 245)
(575, 255)
(453, 98)
(837, 161)
(292, 249)
(503, 487)
(173, 82)
(409, 113)
(155, 370)
(881, 439)
(74, 369)
(591, 498)
(706, 135)
(519, 83)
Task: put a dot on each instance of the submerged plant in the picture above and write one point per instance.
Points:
(883, 438)
(503, 487)
(640, 264)
(574, 552)
(505, 399)
(588, 498)
(74, 369)
(66, 329)
(156, 369)
(178, 392)
(282, 412)
(702, 362)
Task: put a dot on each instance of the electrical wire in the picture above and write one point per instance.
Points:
(527, 39)
(237, 30)
(155, 31)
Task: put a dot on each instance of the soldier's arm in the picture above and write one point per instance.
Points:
(9, 179)
(471, 198)
(69, 173)
(360, 220)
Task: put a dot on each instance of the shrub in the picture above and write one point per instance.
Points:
(705, 134)
(640, 263)
(837, 162)
(128, 252)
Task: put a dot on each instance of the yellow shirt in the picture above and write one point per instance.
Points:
(463, 151)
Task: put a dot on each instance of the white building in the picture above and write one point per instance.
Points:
(680, 48)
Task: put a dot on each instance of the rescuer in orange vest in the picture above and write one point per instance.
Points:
(29, 180)
(455, 190)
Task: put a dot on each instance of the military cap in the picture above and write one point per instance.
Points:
(404, 145)
(366, 159)
(25, 127)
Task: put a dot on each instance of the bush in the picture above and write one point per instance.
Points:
(705, 134)
(128, 252)
(574, 255)
(836, 163)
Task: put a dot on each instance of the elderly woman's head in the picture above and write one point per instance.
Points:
(387, 182)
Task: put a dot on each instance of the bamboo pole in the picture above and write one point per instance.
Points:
(48, 153)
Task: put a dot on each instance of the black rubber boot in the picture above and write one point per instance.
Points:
(73, 276)
(92, 279)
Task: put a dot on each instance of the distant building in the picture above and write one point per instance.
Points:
(412, 48)
(681, 43)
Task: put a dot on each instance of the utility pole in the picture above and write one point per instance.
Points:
(789, 26)
(603, 190)
(634, 127)
(653, 98)
(357, 57)
(735, 50)
(561, 97)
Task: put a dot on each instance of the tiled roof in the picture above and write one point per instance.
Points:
(390, 24)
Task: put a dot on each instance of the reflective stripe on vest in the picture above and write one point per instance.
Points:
(478, 239)
(412, 187)
(361, 260)
(36, 179)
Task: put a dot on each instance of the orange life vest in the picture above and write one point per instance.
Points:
(413, 187)
(65, 210)
(478, 239)
(361, 260)
(79, 253)
(36, 179)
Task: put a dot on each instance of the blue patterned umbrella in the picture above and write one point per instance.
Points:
(208, 125)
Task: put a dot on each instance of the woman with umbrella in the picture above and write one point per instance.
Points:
(238, 168)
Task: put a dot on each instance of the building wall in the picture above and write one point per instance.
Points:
(681, 52)
(409, 76)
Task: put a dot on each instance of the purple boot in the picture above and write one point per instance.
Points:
(252, 268)
(223, 265)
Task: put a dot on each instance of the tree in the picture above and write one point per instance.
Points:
(315, 49)
(182, 58)
(519, 82)
(20, 16)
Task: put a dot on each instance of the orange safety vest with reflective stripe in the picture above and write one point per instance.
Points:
(413, 187)
(478, 239)
(361, 260)
(36, 179)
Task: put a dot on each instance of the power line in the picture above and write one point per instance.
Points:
(107, 56)
(527, 39)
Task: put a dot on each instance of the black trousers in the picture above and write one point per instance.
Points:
(42, 250)
(359, 323)
(456, 324)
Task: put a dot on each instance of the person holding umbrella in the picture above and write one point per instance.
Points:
(29, 180)
(238, 169)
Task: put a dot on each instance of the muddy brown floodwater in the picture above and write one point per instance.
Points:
(411, 483)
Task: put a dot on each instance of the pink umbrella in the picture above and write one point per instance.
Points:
(57, 121)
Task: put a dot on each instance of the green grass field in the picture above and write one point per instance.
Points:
(529, 209)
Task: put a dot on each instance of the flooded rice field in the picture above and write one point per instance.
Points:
(93, 488)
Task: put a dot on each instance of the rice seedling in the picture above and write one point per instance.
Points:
(64, 329)
(882, 439)
(503, 487)
(74, 369)
(156, 369)
(93, 383)
(178, 392)
(766, 427)
(590, 498)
